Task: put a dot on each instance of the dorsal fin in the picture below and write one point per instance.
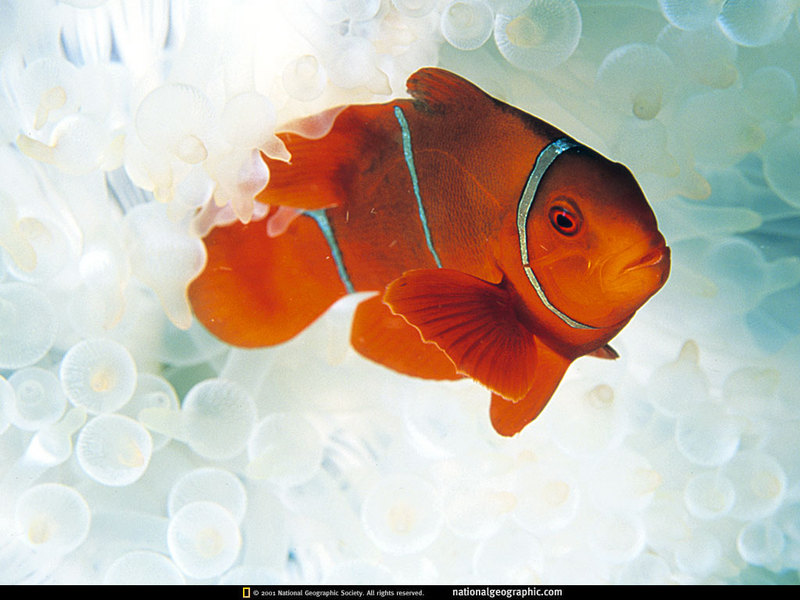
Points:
(439, 90)
(321, 169)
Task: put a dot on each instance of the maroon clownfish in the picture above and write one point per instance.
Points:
(502, 250)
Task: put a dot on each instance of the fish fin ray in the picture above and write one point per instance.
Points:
(472, 321)
(385, 338)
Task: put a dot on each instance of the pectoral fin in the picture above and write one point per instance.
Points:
(385, 338)
(508, 417)
(474, 322)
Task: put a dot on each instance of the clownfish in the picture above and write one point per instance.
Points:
(501, 248)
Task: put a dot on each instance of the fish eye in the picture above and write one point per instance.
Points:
(565, 220)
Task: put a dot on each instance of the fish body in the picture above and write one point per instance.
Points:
(501, 249)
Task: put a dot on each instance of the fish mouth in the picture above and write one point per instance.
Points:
(658, 256)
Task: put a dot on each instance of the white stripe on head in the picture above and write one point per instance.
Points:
(546, 157)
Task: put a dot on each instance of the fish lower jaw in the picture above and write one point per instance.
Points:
(656, 257)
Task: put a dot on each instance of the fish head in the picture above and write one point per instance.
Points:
(593, 241)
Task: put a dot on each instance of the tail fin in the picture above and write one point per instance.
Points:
(260, 291)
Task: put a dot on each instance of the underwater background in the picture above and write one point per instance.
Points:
(134, 447)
